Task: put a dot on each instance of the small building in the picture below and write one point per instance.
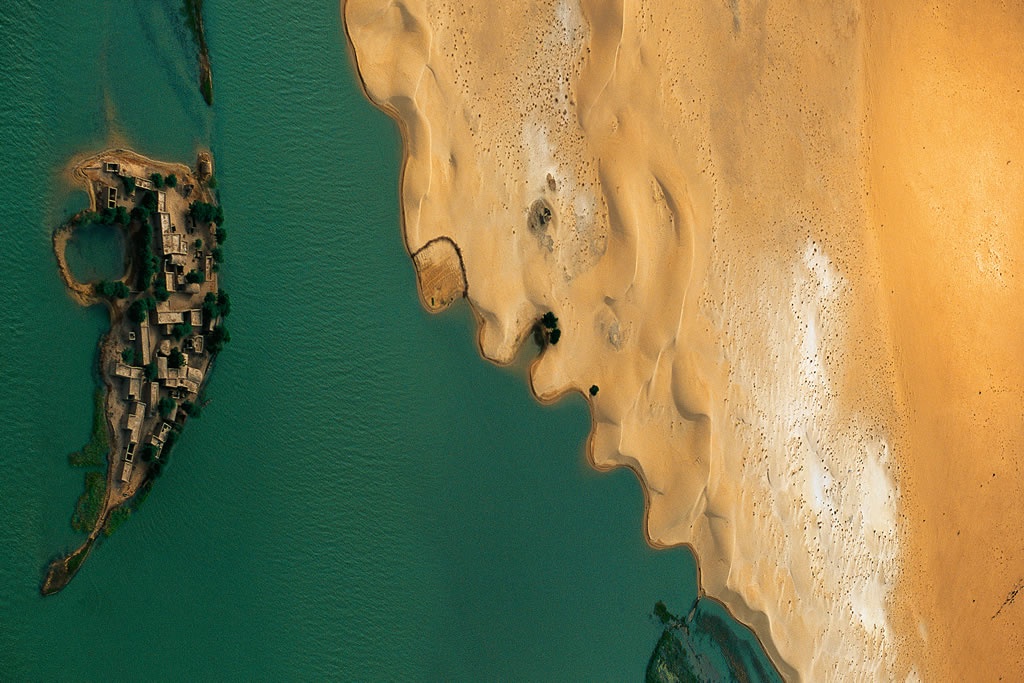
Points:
(145, 343)
(127, 371)
(135, 388)
(196, 318)
(161, 367)
(126, 471)
(165, 429)
(133, 421)
(161, 201)
(154, 396)
(112, 167)
(111, 197)
(144, 183)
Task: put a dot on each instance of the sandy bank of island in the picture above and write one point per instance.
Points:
(166, 315)
(783, 245)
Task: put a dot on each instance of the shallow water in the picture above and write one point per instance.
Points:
(96, 252)
(364, 497)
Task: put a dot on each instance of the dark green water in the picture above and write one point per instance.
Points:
(96, 252)
(364, 498)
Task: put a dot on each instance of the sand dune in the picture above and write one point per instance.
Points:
(784, 242)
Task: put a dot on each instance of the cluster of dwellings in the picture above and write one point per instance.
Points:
(180, 381)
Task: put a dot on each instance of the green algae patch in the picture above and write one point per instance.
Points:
(94, 453)
(90, 503)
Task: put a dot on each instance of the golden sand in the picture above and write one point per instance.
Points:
(784, 240)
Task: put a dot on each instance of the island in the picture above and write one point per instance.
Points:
(166, 328)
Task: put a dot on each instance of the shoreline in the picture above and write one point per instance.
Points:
(768, 647)
(84, 171)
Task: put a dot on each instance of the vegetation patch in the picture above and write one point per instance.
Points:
(90, 503)
(117, 517)
(94, 453)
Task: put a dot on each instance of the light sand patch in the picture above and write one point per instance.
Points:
(785, 241)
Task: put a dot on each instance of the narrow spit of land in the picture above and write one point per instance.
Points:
(166, 328)
(193, 11)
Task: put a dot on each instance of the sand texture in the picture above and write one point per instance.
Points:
(784, 240)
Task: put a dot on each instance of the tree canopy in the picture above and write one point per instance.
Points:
(203, 212)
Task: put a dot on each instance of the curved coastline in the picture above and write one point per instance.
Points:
(738, 609)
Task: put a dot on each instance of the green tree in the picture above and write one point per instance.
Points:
(221, 234)
(138, 311)
(166, 406)
(129, 184)
(128, 355)
(149, 370)
(217, 253)
(171, 180)
(149, 200)
(555, 335)
(176, 359)
(218, 338)
(157, 179)
(223, 303)
(192, 409)
(198, 244)
(549, 320)
(147, 452)
(160, 292)
(181, 330)
(122, 216)
(593, 390)
(195, 277)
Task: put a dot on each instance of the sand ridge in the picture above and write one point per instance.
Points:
(717, 178)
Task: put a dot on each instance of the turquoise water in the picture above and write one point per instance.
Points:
(96, 252)
(364, 498)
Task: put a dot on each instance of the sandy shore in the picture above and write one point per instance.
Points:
(784, 242)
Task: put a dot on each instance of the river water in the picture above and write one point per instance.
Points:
(364, 498)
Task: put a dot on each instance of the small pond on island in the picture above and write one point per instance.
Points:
(96, 252)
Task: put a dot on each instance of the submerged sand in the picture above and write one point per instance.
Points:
(784, 242)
